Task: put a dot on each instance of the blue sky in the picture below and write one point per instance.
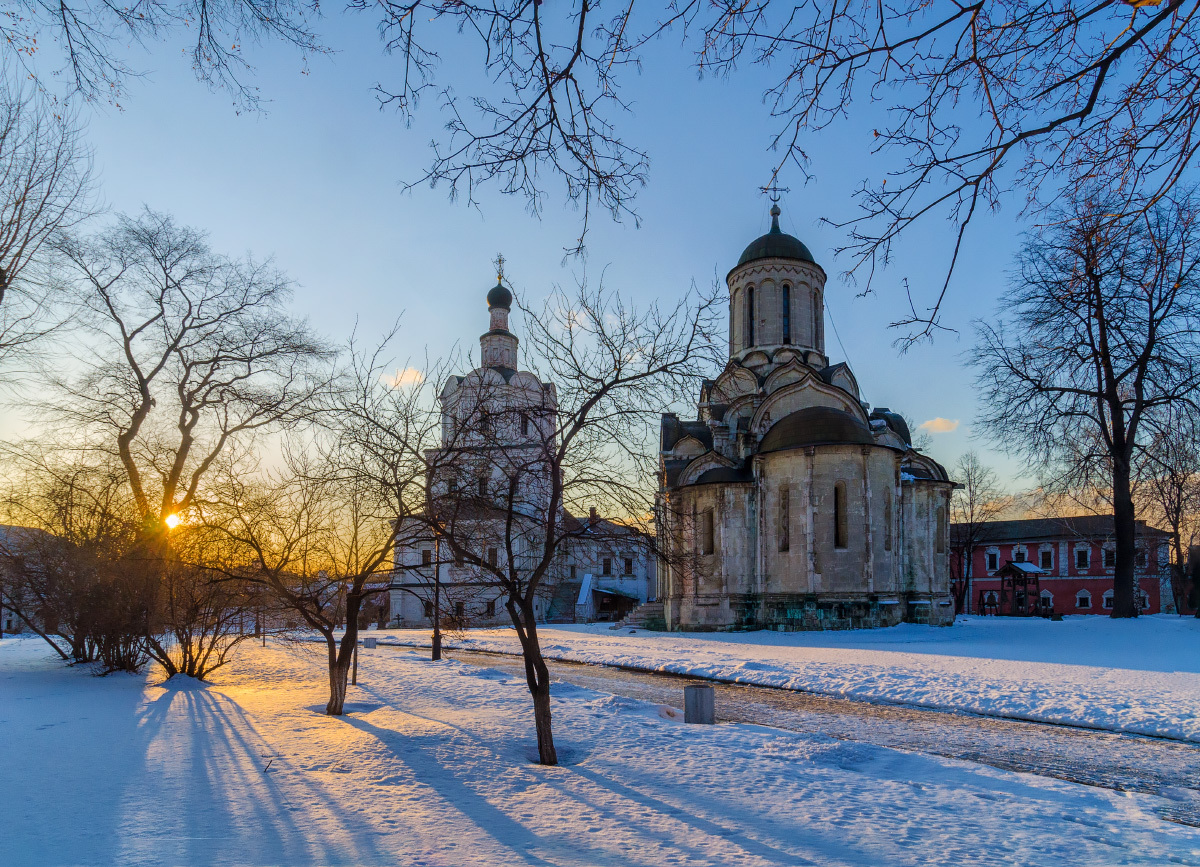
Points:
(315, 181)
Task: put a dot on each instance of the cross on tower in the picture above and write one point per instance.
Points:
(773, 190)
(499, 263)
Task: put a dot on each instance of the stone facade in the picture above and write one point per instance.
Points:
(788, 503)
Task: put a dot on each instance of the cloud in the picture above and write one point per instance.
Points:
(408, 376)
(939, 425)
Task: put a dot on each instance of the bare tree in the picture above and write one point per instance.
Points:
(1100, 333)
(1170, 487)
(65, 569)
(978, 501)
(94, 38)
(45, 188)
(181, 355)
(607, 371)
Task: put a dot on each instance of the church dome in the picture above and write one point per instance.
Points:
(776, 244)
(817, 425)
(499, 297)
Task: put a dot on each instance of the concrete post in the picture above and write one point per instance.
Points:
(698, 704)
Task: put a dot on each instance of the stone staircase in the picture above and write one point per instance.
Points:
(648, 615)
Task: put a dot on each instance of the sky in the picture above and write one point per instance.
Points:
(316, 181)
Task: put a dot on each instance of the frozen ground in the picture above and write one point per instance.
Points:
(1137, 676)
(432, 767)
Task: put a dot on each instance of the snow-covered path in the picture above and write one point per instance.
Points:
(1096, 758)
(431, 768)
(1139, 676)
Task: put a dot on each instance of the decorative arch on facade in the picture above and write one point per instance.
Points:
(792, 371)
(734, 382)
(689, 447)
(843, 378)
(806, 393)
(701, 465)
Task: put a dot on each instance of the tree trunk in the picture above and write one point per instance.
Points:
(340, 660)
(537, 676)
(1125, 531)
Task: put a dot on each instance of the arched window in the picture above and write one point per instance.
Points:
(887, 520)
(785, 521)
(941, 529)
(1083, 599)
(749, 316)
(840, 527)
(1107, 599)
(816, 321)
(787, 313)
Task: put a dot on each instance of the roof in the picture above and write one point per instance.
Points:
(1073, 526)
(1025, 567)
(893, 420)
(776, 244)
(673, 430)
(725, 474)
(498, 296)
(816, 425)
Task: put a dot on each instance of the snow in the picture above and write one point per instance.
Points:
(431, 767)
(1136, 676)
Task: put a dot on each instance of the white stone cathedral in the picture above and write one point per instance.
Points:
(788, 503)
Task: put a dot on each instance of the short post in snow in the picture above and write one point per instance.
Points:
(369, 643)
(698, 704)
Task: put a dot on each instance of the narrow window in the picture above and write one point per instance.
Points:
(816, 323)
(1081, 559)
(482, 486)
(887, 520)
(993, 561)
(628, 565)
(606, 566)
(524, 425)
(572, 573)
(785, 541)
(491, 556)
(787, 314)
(706, 532)
(749, 316)
(941, 531)
(840, 525)
(491, 608)
(459, 610)
(1047, 560)
(428, 610)
(426, 556)
(1110, 558)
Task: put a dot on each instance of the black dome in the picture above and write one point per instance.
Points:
(817, 425)
(775, 245)
(499, 297)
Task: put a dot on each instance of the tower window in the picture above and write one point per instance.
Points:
(840, 524)
(787, 314)
(749, 316)
(705, 541)
(524, 425)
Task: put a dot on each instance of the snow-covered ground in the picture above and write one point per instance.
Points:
(432, 768)
(1137, 676)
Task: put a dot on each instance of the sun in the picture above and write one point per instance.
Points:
(172, 521)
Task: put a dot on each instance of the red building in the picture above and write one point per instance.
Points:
(1071, 570)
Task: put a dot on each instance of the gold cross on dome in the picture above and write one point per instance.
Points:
(499, 263)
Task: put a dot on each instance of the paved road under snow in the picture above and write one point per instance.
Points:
(1170, 769)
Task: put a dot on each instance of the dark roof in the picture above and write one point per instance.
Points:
(725, 474)
(817, 425)
(673, 430)
(498, 296)
(1077, 526)
(893, 420)
(776, 244)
